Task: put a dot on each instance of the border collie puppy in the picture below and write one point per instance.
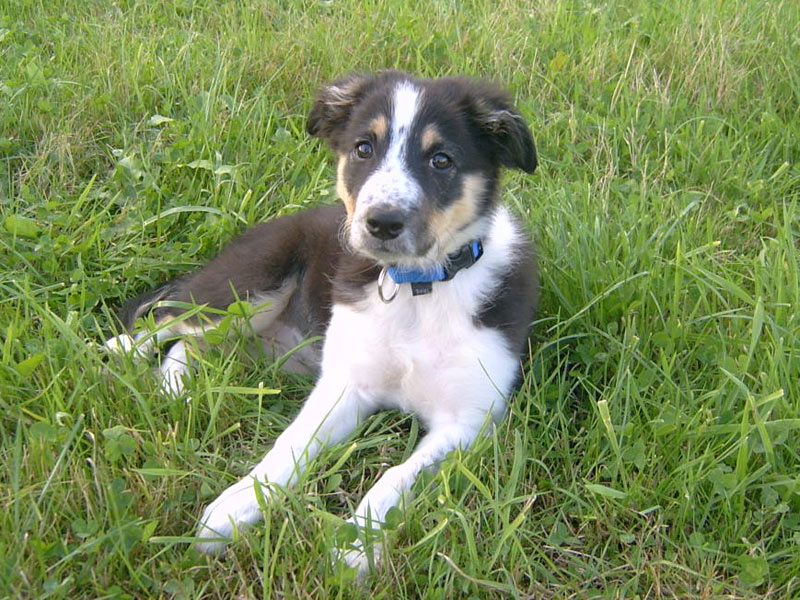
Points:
(423, 286)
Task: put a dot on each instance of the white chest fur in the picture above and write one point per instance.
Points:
(428, 354)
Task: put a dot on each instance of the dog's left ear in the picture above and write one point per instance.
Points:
(334, 105)
(509, 134)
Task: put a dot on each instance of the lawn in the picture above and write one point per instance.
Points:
(652, 451)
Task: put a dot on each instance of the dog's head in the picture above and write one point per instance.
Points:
(419, 160)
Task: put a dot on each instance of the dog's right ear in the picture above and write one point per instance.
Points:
(334, 105)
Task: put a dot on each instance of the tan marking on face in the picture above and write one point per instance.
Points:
(379, 126)
(341, 189)
(430, 137)
(445, 223)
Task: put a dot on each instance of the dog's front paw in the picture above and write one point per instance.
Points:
(362, 554)
(361, 559)
(236, 508)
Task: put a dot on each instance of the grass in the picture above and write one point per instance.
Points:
(653, 449)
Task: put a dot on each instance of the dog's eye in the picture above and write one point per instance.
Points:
(441, 161)
(364, 150)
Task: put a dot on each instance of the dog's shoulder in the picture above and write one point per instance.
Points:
(511, 306)
(504, 282)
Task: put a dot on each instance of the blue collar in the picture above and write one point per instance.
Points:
(421, 280)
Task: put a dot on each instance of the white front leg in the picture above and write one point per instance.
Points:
(330, 414)
(389, 489)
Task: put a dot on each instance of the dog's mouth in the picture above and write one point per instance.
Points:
(407, 250)
(395, 252)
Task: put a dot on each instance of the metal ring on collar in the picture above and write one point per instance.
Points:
(381, 279)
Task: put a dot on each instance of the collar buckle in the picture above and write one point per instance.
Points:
(463, 258)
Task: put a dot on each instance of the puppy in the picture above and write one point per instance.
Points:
(423, 286)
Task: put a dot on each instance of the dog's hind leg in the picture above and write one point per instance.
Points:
(174, 323)
(139, 345)
(142, 344)
(174, 366)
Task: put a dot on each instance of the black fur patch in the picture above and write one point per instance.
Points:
(304, 245)
(511, 309)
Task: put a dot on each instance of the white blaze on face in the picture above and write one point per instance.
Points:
(392, 184)
(406, 99)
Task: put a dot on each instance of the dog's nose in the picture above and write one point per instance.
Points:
(385, 224)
